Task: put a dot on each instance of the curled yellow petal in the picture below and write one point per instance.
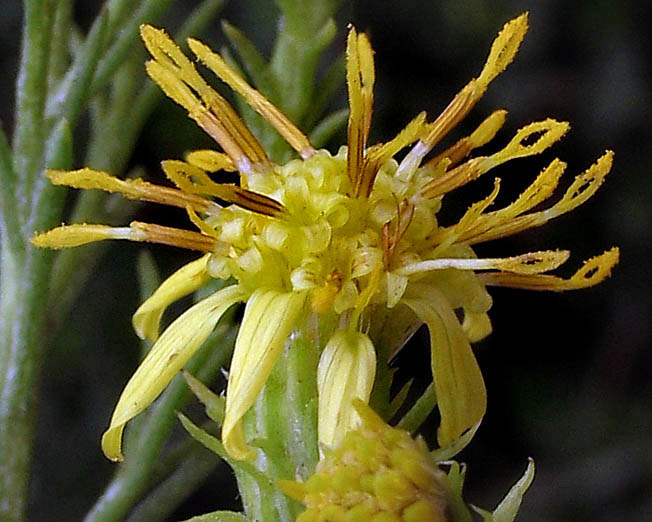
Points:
(346, 371)
(184, 281)
(168, 355)
(476, 326)
(593, 271)
(461, 393)
(266, 325)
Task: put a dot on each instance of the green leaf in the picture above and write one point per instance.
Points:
(399, 399)
(200, 17)
(220, 516)
(75, 89)
(456, 505)
(448, 452)
(47, 199)
(416, 415)
(254, 63)
(294, 64)
(187, 476)
(203, 437)
(304, 19)
(327, 128)
(127, 36)
(213, 403)
(60, 42)
(507, 510)
(331, 81)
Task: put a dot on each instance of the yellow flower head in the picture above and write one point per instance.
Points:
(376, 473)
(341, 235)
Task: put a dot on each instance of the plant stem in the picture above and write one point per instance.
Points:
(283, 422)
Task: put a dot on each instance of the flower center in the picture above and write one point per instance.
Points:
(328, 242)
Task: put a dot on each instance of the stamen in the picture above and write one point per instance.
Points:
(394, 230)
(548, 131)
(593, 271)
(360, 78)
(132, 188)
(504, 49)
(297, 140)
(178, 78)
(585, 185)
(68, 236)
(445, 237)
(379, 154)
(192, 179)
(530, 263)
(210, 160)
(203, 227)
(171, 236)
(502, 52)
(485, 132)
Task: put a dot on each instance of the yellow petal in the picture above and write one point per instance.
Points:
(184, 281)
(593, 271)
(268, 320)
(476, 326)
(346, 371)
(461, 393)
(168, 355)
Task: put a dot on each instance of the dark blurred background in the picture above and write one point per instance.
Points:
(568, 375)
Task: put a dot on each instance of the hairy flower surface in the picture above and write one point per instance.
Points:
(341, 235)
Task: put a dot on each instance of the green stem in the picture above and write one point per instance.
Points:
(283, 422)
(24, 286)
(10, 223)
(31, 89)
